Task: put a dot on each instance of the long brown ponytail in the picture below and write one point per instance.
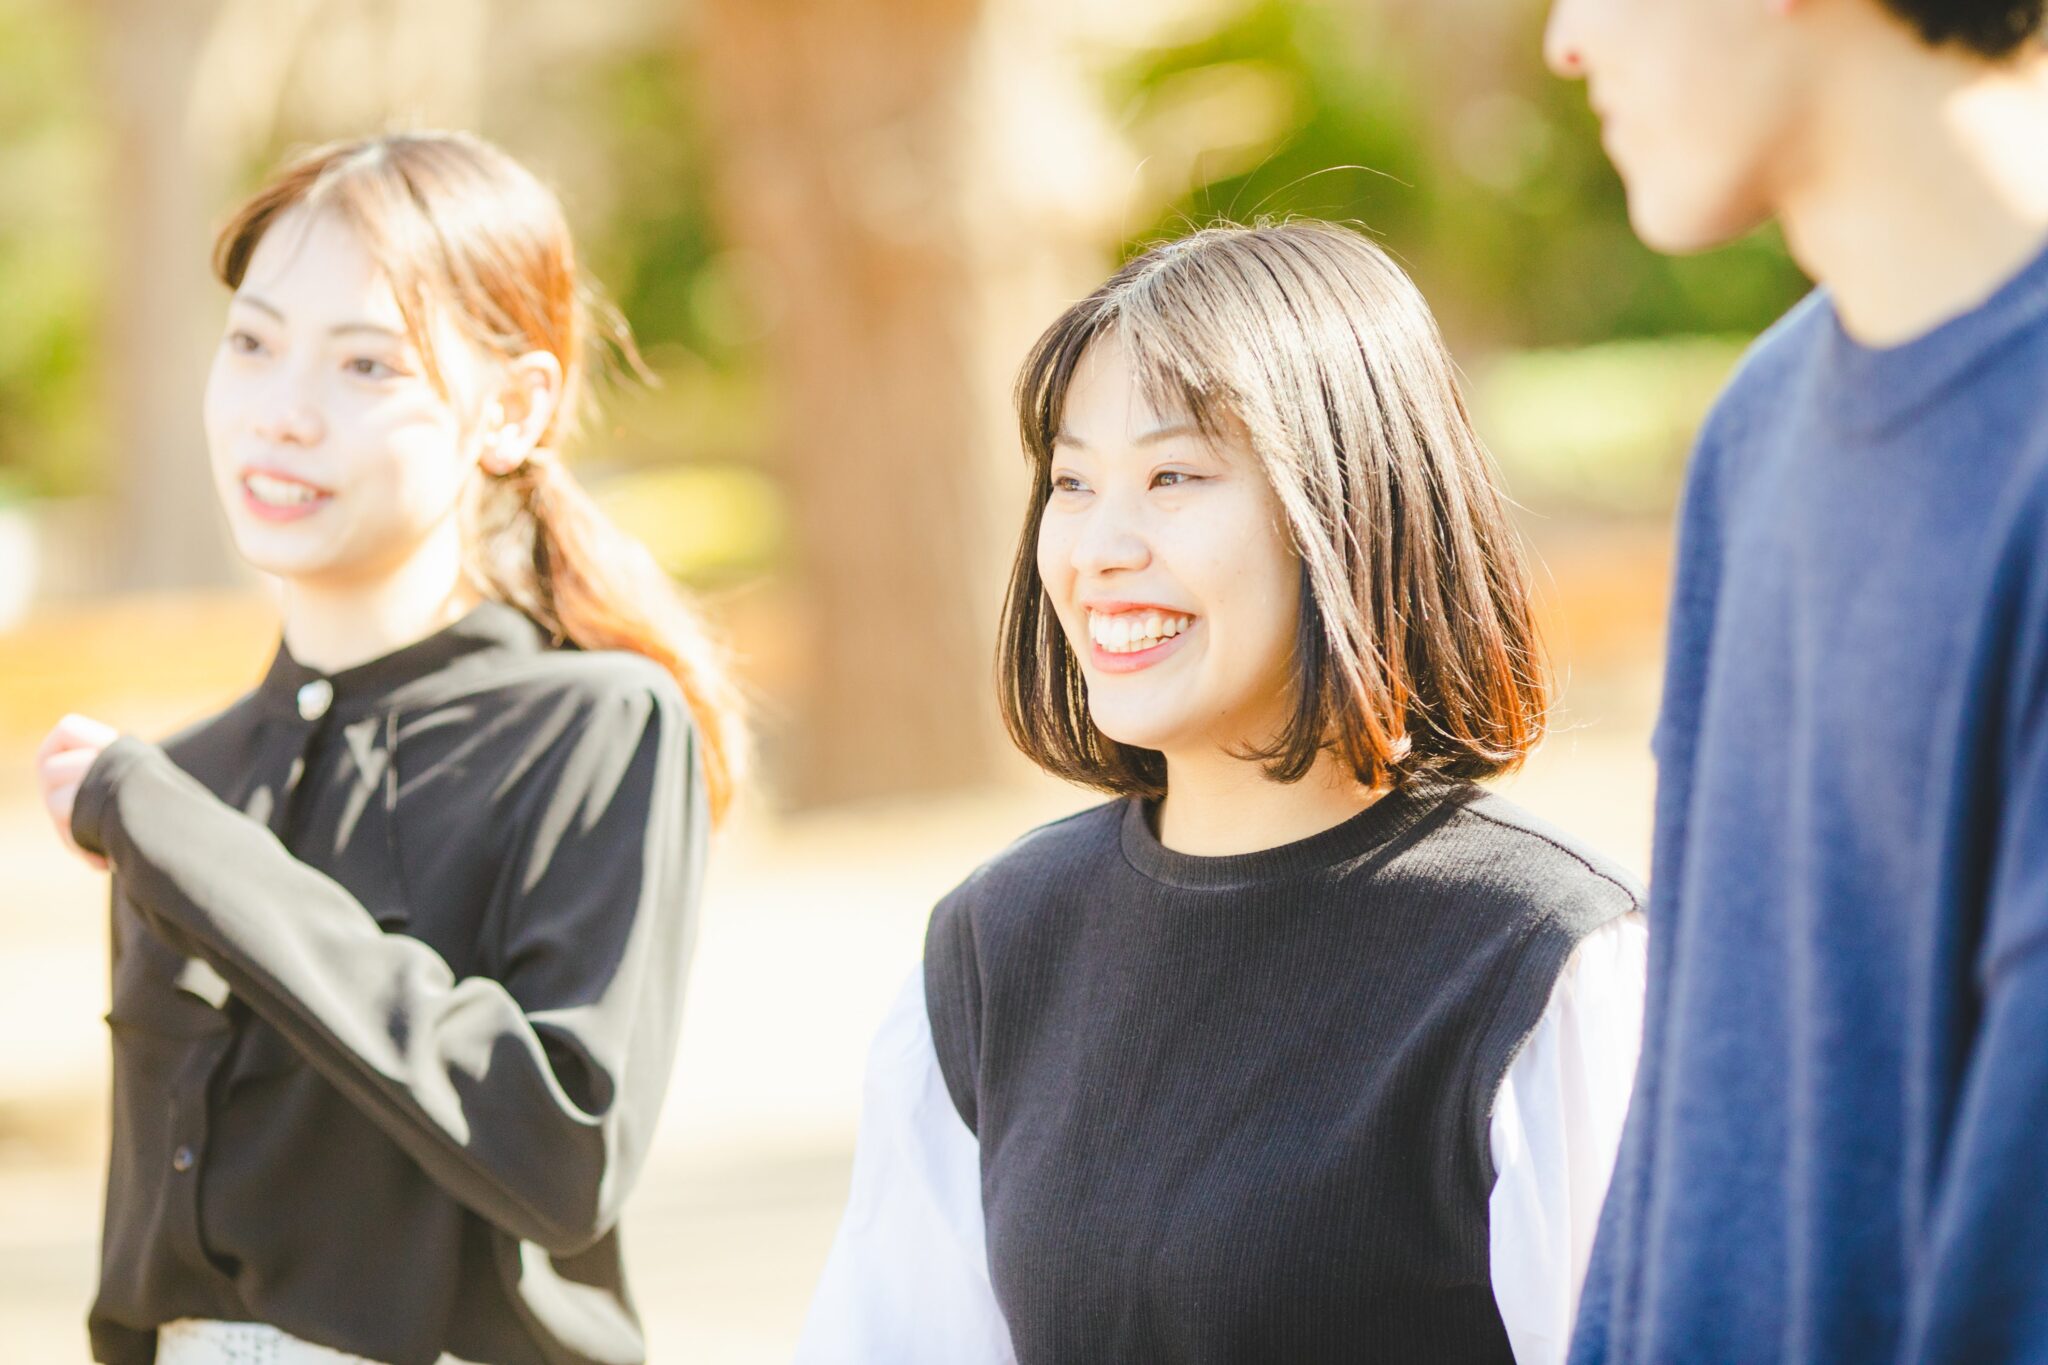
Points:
(454, 221)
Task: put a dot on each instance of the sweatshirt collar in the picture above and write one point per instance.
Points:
(1881, 384)
(1336, 850)
(488, 636)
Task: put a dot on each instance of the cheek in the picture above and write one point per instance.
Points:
(1056, 563)
(1272, 592)
(1244, 572)
(408, 460)
(220, 409)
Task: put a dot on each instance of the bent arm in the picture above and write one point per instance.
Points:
(529, 1098)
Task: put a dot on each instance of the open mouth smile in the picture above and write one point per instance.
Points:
(271, 496)
(1126, 639)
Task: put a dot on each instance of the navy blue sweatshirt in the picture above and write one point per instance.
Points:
(1838, 1148)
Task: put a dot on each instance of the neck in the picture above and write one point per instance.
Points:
(1924, 184)
(330, 625)
(1217, 805)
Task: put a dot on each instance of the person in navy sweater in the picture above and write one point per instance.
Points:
(1835, 1149)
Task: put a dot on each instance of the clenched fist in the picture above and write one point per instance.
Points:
(62, 761)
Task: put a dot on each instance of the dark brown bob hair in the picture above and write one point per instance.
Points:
(1417, 655)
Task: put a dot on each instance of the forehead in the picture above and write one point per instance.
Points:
(1107, 400)
(1110, 407)
(313, 264)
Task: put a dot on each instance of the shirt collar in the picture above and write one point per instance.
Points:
(1879, 385)
(490, 635)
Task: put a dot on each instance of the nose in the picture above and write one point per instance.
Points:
(1563, 51)
(289, 419)
(1110, 541)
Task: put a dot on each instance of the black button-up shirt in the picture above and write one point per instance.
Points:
(398, 958)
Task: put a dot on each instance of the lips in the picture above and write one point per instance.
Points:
(275, 496)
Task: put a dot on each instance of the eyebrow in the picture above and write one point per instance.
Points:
(340, 329)
(1150, 438)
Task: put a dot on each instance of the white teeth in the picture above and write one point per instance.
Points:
(1131, 632)
(274, 492)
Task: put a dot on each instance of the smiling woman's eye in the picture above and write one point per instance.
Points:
(1169, 478)
(369, 367)
(1067, 483)
(242, 343)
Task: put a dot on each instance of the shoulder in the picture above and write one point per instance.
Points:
(214, 741)
(1008, 893)
(1516, 860)
(1758, 394)
(1777, 359)
(1037, 861)
(568, 698)
(587, 679)
(584, 723)
(1014, 893)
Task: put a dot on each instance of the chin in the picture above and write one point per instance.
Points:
(304, 561)
(1136, 732)
(1682, 225)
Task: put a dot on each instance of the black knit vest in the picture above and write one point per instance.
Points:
(1237, 1109)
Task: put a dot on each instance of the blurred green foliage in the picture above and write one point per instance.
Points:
(50, 158)
(677, 464)
(706, 524)
(1603, 428)
(1439, 131)
(657, 248)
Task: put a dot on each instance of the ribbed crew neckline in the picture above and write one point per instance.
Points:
(1341, 845)
(1877, 385)
(490, 627)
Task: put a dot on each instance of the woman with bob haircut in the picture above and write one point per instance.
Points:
(1303, 1047)
(399, 938)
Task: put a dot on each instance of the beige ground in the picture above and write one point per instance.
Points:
(811, 926)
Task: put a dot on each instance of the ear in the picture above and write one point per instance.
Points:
(518, 415)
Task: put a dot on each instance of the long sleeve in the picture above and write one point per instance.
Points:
(1983, 1293)
(530, 1097)
(1980, 1281)
(1557, 1122)
(907, 1279)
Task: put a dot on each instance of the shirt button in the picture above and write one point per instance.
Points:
(314, 698)
(182, 1159)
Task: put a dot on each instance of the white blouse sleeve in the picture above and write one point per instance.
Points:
(1556, 1125)
(907, 1278)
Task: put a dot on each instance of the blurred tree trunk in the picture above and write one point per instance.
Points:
(845, 134)
(160, 301)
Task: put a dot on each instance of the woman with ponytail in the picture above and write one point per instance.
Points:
(399, 938)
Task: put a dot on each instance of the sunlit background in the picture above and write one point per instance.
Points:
(835, 226)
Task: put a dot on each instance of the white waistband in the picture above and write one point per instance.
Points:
(195, 1341)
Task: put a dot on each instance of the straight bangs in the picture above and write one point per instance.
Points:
(1416, 655)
